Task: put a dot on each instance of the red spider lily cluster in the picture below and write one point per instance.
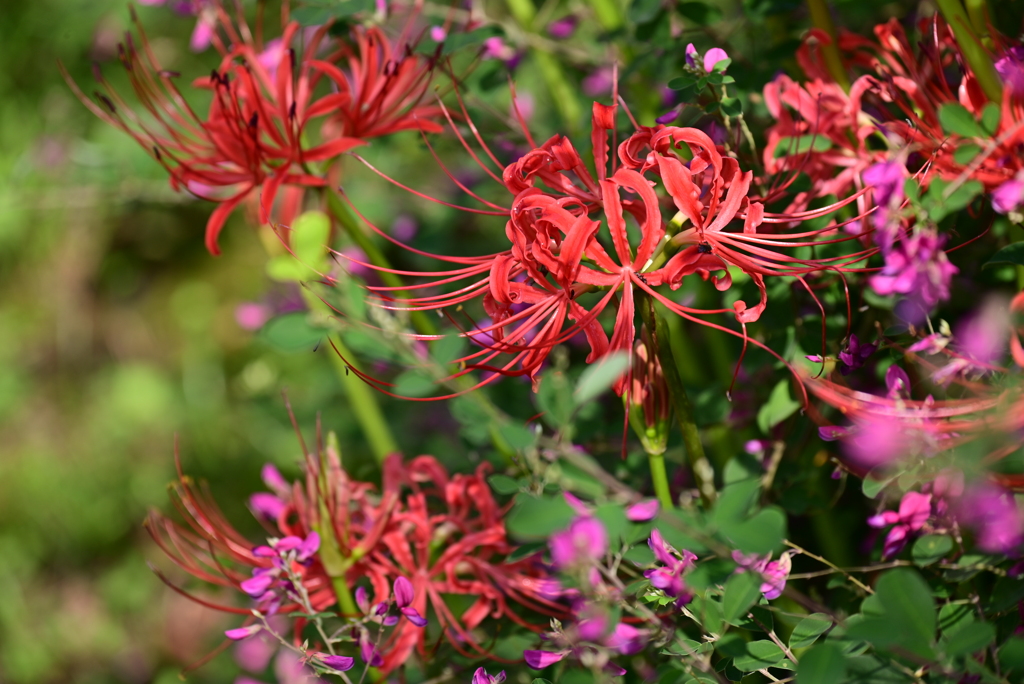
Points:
(664, 205)
(266, 102)
(439, 534)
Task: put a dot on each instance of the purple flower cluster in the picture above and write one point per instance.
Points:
(669, 577)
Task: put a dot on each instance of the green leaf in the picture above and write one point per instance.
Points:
(823, 664)
(613, 516)
(732, 106)
(536, 518)
(735, 501)
(955, 119)
(759, 655)
(447, 349)
(640, 554)
(554, 396)
(970, 639)
(757, 614)
(414, 383)
(965, 154)
(643, 11)
(1011, 254)
(519, 437)
(539, 680)
(600, 376)
(872, 486)
(990, 117)
(953, 616)
(291, 332)
(721, 65)
(741, 590)
(310, 233)
(908, 604)
(788, 147)
(931, 548)
(760, 534)
(1011, 654)
(708, 613)
(778, 408)
(319, 12)
(809, 629)
(503, 484)
(700, 13)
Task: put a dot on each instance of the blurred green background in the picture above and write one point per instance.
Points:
(118, 331)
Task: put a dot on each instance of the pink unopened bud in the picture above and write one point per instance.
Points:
(538, 660)
(336, 662)
(643, 511)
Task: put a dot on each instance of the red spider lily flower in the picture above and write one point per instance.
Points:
(449, 538)
(382, 89)
(909, 86)
(446, 536)
(573, 232)
(255, 137)
(820, 130)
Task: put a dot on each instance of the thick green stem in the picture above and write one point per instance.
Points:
(972, 49)
(822, 19)
(703, 473)
(345, 218)
(361, 398)
(659, 478)
(346, 604)
(977, 10)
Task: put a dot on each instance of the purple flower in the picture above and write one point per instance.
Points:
(1010, 67)
(584, 542)
(438, 34)
(481, 677)
(413, 616)
(308, 547)
(267, 506)
(336, 662)
(626, 639)
(897, 382)
(670, 577)
(643, 511)
(876, 440)
(563, 28)
(711, 57)
(598, 82)
(404, 592)
(538, 660)
(258, 585)
(369, 654)
(917, 267)
(993, 514)
(1009, 196)
(886, 179)
(252, 315)
(242, 632)
(915, 509)
(272, 477)
(773, 572)
(855, 354)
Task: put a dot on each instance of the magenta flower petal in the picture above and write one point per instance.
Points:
(643, 511)
(336, 662)
(240, 633)
(267, 505)
(413, 616)
(713, 57)
(258, 585)
(309, 547)
(404, 592)
(538, 660)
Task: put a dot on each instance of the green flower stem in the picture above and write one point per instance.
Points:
(562, 93)
(348, 221)
(822, 19)
(659, 478)
(361, 398)
(703, 473)
(972, 49)
(608, 14)
(977, 10)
